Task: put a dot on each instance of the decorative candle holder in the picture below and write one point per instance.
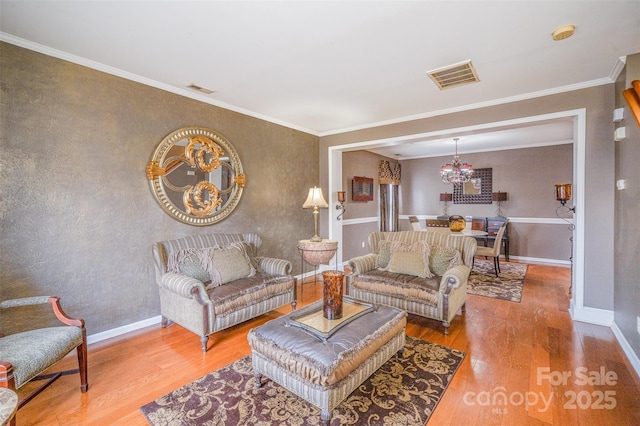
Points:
(332, 294)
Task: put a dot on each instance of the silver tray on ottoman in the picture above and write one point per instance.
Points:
(311, 318)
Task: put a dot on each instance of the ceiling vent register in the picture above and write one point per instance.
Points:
(201, 89)
(454, 75)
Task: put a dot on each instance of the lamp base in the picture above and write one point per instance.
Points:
(315, 238)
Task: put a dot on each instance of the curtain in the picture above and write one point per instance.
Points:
(389, 202)
(388, 207)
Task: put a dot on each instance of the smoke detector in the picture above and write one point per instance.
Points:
(454, 75)
(563, 32)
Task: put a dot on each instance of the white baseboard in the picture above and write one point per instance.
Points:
(321, 269)
(592, 315)
(626, 347)
(115, 332)
(540, 260)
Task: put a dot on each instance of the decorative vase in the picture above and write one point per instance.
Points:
(457, 223)
(332, 294)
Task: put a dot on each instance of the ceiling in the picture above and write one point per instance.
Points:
(324, 67)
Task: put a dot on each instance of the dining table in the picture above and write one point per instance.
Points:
(463, 233)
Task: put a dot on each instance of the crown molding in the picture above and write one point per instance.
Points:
(469, 107)
(143, 80)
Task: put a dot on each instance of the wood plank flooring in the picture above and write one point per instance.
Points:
(516, 355)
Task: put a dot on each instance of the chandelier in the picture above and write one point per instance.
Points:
(456, 172)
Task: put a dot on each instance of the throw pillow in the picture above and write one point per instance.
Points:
(384, 254)
(442, 258)
(228, 263)
(252, 258)
(410, 263)
(387, 247)
(188, 262)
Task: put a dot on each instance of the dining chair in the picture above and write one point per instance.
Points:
(494, 251)
(415, 223)
(479, 224)
(493, 224)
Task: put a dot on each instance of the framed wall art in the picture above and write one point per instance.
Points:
(362, 189)
(477, 190)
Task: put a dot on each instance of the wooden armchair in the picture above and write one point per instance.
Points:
(28, 347)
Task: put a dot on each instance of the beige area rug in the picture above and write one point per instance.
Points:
(507, 286)
(401, 392)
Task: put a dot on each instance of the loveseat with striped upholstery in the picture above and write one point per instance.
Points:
(205, 309)
(438, 297)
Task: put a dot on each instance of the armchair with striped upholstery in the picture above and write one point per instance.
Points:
(438, 297)
(205, 309)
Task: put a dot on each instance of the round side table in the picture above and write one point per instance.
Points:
(315, 253)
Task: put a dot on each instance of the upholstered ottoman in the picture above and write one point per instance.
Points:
(324, 367)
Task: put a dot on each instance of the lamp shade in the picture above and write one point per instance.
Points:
(315, 199)
(499, 196)
(447, 196)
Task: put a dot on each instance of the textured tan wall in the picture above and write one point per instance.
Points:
(77, 215)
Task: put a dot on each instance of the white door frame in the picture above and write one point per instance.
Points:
(579, 175)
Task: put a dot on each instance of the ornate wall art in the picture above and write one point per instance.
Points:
(476, 191)
(196, 176)
(362, 189)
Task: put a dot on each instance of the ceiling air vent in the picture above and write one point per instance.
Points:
(454, 75)
(200, 89)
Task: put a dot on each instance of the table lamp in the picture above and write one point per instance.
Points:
(314, 201)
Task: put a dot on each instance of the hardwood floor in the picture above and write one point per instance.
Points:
(516, 350)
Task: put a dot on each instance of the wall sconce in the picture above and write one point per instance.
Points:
(446, 197)
(314, 201)
(499, 197)
(340, 206)
(563, 194)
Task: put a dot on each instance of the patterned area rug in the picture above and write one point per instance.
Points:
(507, 286)
(401, 392)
